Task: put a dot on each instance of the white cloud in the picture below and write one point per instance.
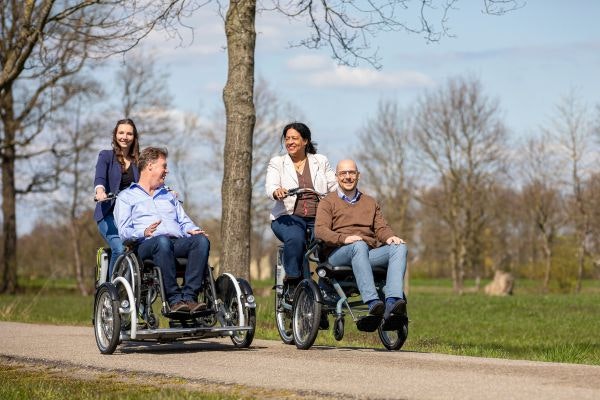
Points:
(342, 76)
(202, 42)
(308, 62)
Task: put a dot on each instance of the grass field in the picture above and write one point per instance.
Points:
(34, 381)
(528, 325)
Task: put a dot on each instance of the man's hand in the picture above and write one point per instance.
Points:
(352, 239)
(197, 232)
(150, 229)
(280, 194)
(395, 240)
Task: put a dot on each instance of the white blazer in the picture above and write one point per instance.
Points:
(282, 174)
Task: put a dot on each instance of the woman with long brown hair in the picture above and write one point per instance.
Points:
(116, 169)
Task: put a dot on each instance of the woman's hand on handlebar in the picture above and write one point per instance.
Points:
(100, 195)
(103, 196)
(280, 194)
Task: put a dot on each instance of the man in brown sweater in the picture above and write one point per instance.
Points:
(355, 233)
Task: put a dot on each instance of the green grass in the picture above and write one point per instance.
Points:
(558, 328)
(528, 325)
(21, 381)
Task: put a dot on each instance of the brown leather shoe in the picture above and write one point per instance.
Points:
(195, 306)
(180, 306)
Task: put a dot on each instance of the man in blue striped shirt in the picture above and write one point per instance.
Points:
(150, 214)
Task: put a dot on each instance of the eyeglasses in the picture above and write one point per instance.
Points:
(349, 173)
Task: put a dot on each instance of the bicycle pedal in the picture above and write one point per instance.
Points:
(178, 315)
(368, 323)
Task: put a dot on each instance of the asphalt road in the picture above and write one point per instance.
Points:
(320, 371)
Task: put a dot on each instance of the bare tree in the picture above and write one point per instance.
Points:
(184, 159)
(236, 190)
(43, 45)
(573, 131)
(145, 97)
(345, 28)
(593, 244)
(78, 134)
(541, 196)
(272, 113)
(383, 161)
(459, 138)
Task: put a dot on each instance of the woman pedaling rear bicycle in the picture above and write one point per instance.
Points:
(292, 216)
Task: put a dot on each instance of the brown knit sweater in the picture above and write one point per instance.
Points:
(337, 219)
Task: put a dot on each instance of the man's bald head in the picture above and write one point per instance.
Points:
(347, 175)
(346, 165)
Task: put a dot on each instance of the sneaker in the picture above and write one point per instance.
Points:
(394, 307)
(195, 306)
(376, 307)
(180, 306)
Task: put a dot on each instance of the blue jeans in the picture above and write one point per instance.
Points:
(291, 230)
(108, 230)
(362, 260)
(163, 250)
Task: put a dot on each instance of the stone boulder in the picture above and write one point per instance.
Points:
(501, 285)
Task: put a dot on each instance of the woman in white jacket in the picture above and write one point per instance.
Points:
(291, 216)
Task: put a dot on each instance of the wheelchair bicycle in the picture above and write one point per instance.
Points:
(300, 315)
(124, 312)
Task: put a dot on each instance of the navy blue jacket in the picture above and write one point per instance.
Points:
(108, 174)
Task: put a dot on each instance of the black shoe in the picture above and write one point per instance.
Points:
(376, 308)
(396, 308)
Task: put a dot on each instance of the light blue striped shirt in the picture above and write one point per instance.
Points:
(347, 199)
(135, 210)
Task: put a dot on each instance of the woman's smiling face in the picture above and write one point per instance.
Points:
(295, 144)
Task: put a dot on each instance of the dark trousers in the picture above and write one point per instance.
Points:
(291, 230)
(163, 250)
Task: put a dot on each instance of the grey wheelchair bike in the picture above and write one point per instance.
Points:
(126, 305)
(302, 311)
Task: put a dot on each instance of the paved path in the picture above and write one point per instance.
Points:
(321, 371)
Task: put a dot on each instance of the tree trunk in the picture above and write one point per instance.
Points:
(8, 276)
(580, 264)
(548, 262)
(236, 189)
(457, 242)
(458, 261)
(75, 241)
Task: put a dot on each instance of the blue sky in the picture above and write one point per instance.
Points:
(527, 59)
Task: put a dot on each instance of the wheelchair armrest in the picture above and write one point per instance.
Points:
(312, 251)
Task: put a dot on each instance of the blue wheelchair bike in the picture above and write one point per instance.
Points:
(126, 303)
(302, 311)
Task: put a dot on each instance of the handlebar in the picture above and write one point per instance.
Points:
(109, 197)
(298, 190)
